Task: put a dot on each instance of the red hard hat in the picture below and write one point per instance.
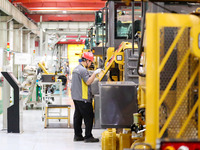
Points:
(88, 56)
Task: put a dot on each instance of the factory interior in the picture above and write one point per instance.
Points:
(99, 75)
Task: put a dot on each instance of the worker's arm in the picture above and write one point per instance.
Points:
(92, 77)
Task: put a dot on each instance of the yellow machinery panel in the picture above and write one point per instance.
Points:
(170, 92)
(195, 40)
(172, 77)
(116, 56)
(73, 52)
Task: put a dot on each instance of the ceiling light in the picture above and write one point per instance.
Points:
(63, 39)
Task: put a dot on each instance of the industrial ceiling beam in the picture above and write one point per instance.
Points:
(66, 32)
(61, 12)
(71, 17)
(65, 8)
(65, 4)
(69, 10)
(35, 6)
(66, 26)
(46, 1)
(57, 40)
(11, 10)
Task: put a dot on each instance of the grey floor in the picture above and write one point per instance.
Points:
(35, 137)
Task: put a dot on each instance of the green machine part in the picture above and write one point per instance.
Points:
(38, 92)
(98, 18)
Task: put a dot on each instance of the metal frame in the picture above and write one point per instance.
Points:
(154, 22)
(57, 117)
(46, 95)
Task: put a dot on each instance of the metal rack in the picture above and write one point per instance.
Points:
(48, 116)
(46, 95)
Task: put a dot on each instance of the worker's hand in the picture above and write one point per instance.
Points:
(97, 71)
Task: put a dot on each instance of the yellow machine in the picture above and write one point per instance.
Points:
(168, 92)
(115, 17)
(177, 86)
(43, 68)
(116, 57)
(51, 77)
(121, 40)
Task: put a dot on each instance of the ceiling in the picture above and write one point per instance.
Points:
(60, 10)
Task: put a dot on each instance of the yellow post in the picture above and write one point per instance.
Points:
(199, 106)
(68, 117)
(152, 79)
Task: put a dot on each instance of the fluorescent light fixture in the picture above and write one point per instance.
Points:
(63, 39)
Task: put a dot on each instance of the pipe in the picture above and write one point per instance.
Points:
(106, 39)
(133, 26)
(141, 48)
(106, 24)
(103, 38)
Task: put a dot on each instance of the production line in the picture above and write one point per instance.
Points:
(124, 77)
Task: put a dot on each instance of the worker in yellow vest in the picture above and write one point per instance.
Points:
(82, 97)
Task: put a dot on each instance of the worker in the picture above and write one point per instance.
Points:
(82, 97)
(67, 73)
(67, 69)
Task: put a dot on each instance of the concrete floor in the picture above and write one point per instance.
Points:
(35, 137)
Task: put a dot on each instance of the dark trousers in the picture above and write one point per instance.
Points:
(83, 111)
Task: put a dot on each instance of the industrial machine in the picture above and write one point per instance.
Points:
(28, 86)
(13, 103)
(119, 54)
(168, 93)
(119, 45)
(113, 25)
(14, 116)
(49, 83)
